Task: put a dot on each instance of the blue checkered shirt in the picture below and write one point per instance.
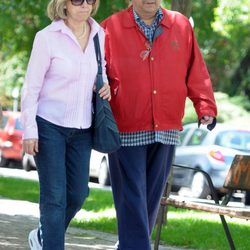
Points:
(146, 29)
(140, 138)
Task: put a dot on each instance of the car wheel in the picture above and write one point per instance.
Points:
(103, 177)
(199, 186)
(4, 162)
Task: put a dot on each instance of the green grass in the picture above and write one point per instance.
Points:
(185, 228)
(19, 189)
(204, 233)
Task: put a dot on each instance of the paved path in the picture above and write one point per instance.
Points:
(15, 228)
(18, 218)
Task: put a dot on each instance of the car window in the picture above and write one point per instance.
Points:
(234, 139)
(197, 137)
(18, 124)
(3, 124)
(183, 134)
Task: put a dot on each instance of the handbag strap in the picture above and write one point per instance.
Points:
(98, 53)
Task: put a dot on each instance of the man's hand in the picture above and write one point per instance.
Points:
(206, 120)
(210, 121)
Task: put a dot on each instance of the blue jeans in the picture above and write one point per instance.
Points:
(63, 169)
(138, 177)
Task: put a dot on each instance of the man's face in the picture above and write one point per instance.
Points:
(146, 7)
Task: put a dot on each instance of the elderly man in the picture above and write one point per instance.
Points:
(153, 64)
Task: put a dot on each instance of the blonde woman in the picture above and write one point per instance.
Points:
(56, 114)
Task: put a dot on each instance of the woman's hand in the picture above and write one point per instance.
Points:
(104, 92)
(30, 146)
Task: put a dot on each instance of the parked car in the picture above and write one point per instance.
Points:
(212, 151)
(98, 166)
(11, 149)
(10, 138)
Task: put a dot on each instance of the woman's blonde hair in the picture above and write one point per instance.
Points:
(56, 9)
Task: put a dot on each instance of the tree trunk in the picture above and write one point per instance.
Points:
(240, 79)
(183, 6)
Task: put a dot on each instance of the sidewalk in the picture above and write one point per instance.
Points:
(18, 218)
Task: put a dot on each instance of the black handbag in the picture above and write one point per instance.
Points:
(106, 138)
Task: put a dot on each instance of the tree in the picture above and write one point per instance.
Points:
(108, 7)
(183, 6)
(18, 25)
(241, 78)
(218, 27)
(233, 54)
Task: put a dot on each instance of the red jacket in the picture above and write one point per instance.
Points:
(150, 94)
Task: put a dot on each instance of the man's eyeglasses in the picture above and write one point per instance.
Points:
(80, 2)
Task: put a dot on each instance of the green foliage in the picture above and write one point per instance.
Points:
(12, 73)
(108, 7)
(231, 110)
(222, 30)
(231, 24)
(236, 16)
(221, 27)
(20, 21)
(18, 24)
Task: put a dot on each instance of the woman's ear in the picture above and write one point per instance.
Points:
(65, 10)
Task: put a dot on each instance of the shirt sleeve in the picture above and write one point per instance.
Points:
(37, 67)
(104, 63)
(199, 84)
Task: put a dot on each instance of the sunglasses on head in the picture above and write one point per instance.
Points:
(80, 2)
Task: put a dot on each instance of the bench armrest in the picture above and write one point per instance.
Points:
(208, 178)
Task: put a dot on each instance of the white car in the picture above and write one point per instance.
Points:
(98, 166)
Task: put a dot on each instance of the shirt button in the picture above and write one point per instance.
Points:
(152, 58)
(155, 92)
(156, 125)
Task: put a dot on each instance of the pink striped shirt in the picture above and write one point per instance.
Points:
(60, 78)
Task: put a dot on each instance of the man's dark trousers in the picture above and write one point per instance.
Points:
(138, 177)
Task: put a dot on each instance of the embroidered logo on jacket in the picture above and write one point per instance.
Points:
(175, 45)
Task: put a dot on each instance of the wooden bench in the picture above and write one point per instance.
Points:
(238, 178)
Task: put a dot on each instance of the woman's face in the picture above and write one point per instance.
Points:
(78, 13)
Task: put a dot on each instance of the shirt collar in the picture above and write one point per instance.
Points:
(60, 25)
(158, 17)
(129, 20)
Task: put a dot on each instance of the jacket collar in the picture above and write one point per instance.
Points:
(129, 20)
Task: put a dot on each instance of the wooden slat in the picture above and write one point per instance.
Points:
(238, 176)
(237, 212)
